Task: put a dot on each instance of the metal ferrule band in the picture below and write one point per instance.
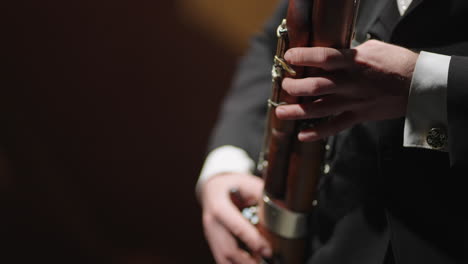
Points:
(281, 221)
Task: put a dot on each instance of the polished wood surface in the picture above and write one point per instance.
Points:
(294, 167)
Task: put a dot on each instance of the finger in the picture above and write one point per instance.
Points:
(233, 220)
(322, 107)
(241, 257)
(324, 58)
(251, 190)
(313, 86)
(331, 127)
(222, 243)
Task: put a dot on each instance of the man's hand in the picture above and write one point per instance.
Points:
(223, 221)
(370, 82)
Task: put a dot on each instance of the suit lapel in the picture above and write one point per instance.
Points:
(380, 18)
(369, 12)
(414, 4)
(388, 18)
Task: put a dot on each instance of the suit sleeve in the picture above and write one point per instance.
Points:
(457, 109)
(242, 118)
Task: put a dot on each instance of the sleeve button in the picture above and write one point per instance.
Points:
(437, 138)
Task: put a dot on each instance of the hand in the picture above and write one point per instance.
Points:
(370, 82)
(222, 220)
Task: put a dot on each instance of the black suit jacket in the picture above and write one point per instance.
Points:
(376, 191)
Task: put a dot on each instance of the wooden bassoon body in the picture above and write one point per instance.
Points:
(289, 167)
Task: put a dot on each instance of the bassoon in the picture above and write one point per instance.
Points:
(291, 168)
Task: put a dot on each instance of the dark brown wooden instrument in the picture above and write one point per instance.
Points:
(289, 167)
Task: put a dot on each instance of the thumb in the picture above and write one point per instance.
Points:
(250, 189)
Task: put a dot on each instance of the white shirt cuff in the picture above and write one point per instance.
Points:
(427, 102)
(222, 160)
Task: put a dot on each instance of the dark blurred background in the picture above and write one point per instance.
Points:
(105, 110)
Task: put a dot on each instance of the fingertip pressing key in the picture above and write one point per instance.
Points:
(281, 112)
